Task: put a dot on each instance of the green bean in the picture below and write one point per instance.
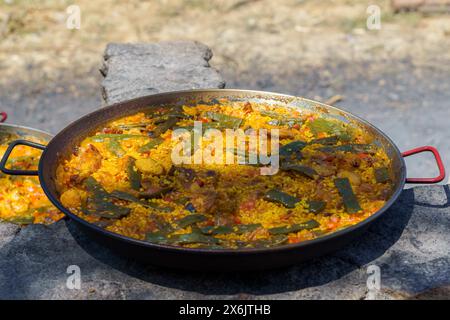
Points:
(157, 237)
(164, 126)
(290, 122)
(326, 141)
(280, 120)
(271, 242)
(353, 148)
(190, 219)
(109, 210)
(151, 145)
(128, 126)
(304, 170)
(167, 116)
(211, 230)
(348, 197)
(205, 126)
(22, 219)
(270, 114)
(316, 206)
(224, 120)
(124, 136)
(103, 137)
(244, 228)
(101, 201)
(311, 224)
(278, 196)
(193, 237)
(328, 126)
(115, 148)
(382, 175)
(96, 189)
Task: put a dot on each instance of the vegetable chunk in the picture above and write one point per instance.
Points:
(348, 197)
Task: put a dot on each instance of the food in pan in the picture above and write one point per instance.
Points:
(332, 174)
(22, 200)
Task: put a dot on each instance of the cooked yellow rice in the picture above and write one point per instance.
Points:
(226, 195)
(22, 199)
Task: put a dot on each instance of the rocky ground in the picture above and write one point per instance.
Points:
(396, 77)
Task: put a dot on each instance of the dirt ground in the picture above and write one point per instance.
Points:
(396, 77)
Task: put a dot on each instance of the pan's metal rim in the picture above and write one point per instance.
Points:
(242, 251)
(16, 126)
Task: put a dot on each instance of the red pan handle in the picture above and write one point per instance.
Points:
(439, 162)
(3, 116)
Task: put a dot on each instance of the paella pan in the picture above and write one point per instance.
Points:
(112, 172)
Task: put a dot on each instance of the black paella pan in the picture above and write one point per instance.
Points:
(64, 143)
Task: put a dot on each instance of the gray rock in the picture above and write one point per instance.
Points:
(409, 244)
(7, 232)
(133, 70)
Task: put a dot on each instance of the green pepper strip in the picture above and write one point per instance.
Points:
(353, 148)
(128, 197)
(190, 219)
(316, 206)
(103, 137)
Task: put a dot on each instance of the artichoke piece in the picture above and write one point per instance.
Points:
(382, 175)
(316, 206)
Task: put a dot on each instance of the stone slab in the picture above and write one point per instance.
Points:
(134, 70)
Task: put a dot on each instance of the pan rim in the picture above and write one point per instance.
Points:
(17, 126)
(226, 252)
